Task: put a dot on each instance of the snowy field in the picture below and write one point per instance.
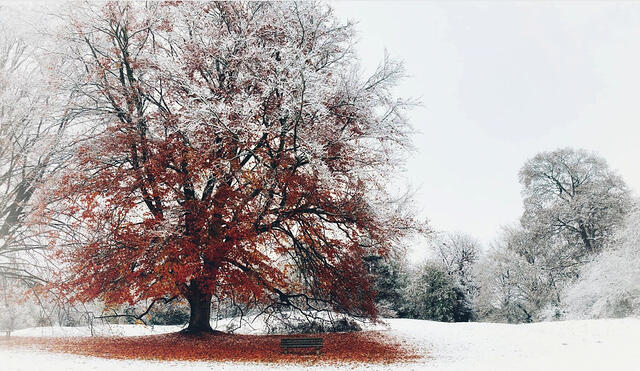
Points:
(571, 345)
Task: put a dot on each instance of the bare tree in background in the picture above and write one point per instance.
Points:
(458, 253)
(31, 124)
(573, 206)
(574, 196)
(518, 277)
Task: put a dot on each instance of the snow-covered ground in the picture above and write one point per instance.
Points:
(569, 345)
(612, 344)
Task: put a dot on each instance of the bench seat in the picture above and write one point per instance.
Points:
(288, 343)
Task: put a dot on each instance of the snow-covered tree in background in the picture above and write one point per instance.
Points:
(609, 285)
(21, 166)
(391, 277)
(458, 253)
(574, 197)
(573, 205)
(516, 280)
(434, 294)
(32, 122)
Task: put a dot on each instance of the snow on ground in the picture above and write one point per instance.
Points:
(610, 344)
(250, 326)
(102, 330)
(570, 345)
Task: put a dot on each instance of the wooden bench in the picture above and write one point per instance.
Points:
(288, 343)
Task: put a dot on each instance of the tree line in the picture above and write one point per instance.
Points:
(573, 254)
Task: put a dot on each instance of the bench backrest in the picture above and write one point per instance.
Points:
(301, 342)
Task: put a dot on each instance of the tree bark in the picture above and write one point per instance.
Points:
(585, 238)
(200, 314)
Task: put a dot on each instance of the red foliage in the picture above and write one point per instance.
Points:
(370, 347)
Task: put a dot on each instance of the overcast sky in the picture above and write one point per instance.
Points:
(499, 83)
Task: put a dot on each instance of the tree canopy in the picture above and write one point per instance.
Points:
(234, 150)
(574, 195)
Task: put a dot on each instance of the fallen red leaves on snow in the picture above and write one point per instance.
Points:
(368, 346)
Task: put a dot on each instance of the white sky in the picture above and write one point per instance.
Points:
(500, 82)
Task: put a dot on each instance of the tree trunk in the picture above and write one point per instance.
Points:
(585, 238)
(200, 315)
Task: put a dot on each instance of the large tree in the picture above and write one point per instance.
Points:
(234, 151)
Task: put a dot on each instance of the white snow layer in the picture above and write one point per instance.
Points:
(610, 344)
